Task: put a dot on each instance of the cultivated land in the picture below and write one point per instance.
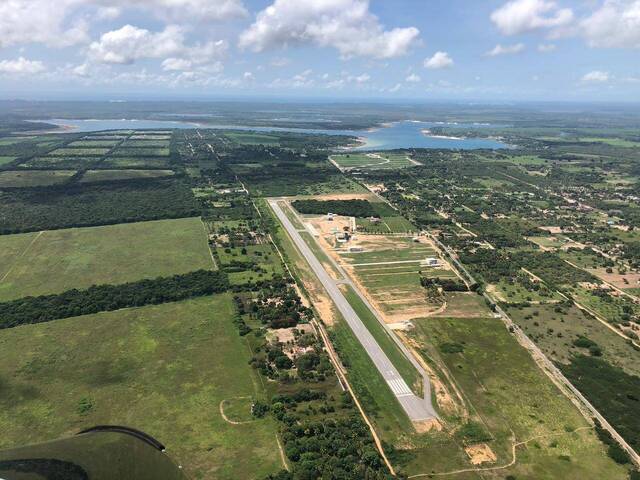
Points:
(111, 175)
(16, 179)
(163, 369)
(58, 260)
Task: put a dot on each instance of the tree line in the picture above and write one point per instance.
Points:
(100, 298)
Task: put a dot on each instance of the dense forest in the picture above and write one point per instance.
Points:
(102, 298)
(348, 208)
(79, 205)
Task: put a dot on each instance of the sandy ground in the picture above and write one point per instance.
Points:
(616, 279)
(480, 453)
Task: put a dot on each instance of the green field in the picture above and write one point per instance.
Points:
(373, 161)
(79, 152)
(141, 152)
(135, 162)
(94, 143)
(58, 260)
(111, 175)
(163, 369)
(513, 400)
(34, 178)
(555, 333)
(252, 138)
(5, 160)
(266, 261)
(59, 162)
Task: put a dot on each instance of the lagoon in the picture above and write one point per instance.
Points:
(406, 134)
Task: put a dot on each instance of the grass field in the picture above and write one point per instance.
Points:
(79, 152)
(136, 162)
(5, 160)
(59, 260)
(59, 162)
(141, 152)
(373, 161)
(555, 332)
(110, 175)
(252, 138)
(35, 178)
(163, 369)
(514, 401)
(266, 260)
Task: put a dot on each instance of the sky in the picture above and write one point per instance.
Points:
(488, 50)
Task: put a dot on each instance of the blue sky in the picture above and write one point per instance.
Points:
(489, 50)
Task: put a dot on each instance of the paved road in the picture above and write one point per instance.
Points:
(416, 408)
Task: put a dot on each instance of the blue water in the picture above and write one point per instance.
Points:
(407, 134)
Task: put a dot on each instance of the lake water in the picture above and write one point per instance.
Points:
(408, 134)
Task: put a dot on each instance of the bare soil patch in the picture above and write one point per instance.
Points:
(480, 453)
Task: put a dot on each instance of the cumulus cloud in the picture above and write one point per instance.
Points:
(21, 66)
(40, 21)
(187, 10)
(129, 44)
(395, 88)
(546, 47)
(505, 50)
(615, 24)
(346, 25)
(413, 78)
(439, 60)
(596, 76)
(520, 16)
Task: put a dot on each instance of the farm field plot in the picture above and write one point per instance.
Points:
(59, 260)
(109, 175)
(4, 160)
(373, 161)
(252, 138)
(163, 369)
(511, 400)
(145, 143)
(59, 162)
(135, 162)
(86, 143)
(79, 152)
(34, 178)
(140, 152)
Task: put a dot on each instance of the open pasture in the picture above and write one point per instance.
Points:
(135, 162)
(34, 178)
(59, 162)
(250, 264)
(511, 400)
(86, 143)
(6, 159)
(59, 260)
(164, 369)
(129, 174)
(79, 152)
(141, 152)
(373, 161)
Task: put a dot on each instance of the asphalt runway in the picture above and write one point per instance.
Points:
(417, 408)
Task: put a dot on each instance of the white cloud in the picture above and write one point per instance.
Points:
(596, 76)
(280, 62)
(189, 10)
(439, 60)
(248, 76)
(129, 44)
(395, 88)
(21, 66)
(346, 25)
(364, 78)
(505, 50)
(82, 70)
(615, 24)
(40, 21)
(546, 47)
(108, 13)
(413, 78)
(176, 64)
(520, 16)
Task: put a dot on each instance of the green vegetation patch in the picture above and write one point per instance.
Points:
(129, 174)
(5, 160)
(80, 152)
(34, 178)
(162, 369)
(59, 260)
